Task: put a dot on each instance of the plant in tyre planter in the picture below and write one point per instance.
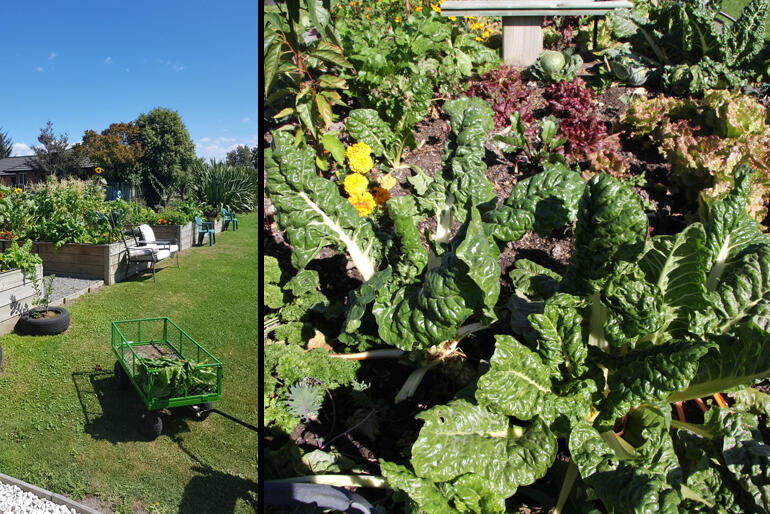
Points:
(43, 319)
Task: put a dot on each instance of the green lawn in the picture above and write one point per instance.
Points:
(67, 428)
(734, 9)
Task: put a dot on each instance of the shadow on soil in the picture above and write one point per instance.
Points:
(112, 413)
(213, 491)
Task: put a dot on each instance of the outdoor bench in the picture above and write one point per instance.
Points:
(522, 20)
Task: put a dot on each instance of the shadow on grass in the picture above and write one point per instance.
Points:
(112, 413)
(213, 491)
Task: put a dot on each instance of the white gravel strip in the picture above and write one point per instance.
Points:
(13, 500)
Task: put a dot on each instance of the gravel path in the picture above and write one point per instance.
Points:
(64, 286)
(13, 500)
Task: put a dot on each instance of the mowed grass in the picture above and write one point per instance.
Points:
(735, 7)
(66, 427)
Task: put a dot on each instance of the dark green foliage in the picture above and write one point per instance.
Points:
(175, 377)
(304, 400)
(6, 145)
(54, 157)
(169, 153)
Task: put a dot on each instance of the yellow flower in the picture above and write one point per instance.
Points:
(1, 195)
(17, 190)
(398, 19)
(368, 17)
(363, 203)
(387, 181)
(355, 184)
(452, 18)
(418, 8)
(435, 7)
(486, 34)
(477, 26)
(380, 195)
(98, 171)
(469, 17)
(479, 38)
(352, 4)
(359, 158)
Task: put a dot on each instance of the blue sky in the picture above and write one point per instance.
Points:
(84, 64)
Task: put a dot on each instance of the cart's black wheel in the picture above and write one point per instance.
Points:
(150, 425)
(201, 411)
(120, 378)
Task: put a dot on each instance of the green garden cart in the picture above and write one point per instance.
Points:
(167, 367)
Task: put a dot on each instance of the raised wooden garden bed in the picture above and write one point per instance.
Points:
(105, 262)
(16, 296)
(184, 234)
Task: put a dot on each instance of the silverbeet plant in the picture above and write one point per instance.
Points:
(634, 324)
(412, 298)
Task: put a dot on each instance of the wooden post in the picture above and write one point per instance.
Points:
(522, 40)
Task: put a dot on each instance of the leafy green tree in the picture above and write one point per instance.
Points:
(54, 157)
(168, 154)
(6, 145)
(117, 150)
(241, 156)
(255, 157)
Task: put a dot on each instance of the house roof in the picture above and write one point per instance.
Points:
(24, 164)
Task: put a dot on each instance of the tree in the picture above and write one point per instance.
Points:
(255, 157)
(168, 153)
(241, 156)
(6, 145)
(117, 150)
(55, 157)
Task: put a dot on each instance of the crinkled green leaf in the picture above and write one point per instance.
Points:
(629, 489)
(729, 229)
(676, 264)
(745, 38)
(634, 306)
(483, 268)
(650, 377)
(366, 126)
(359, 299)
(561, 344)
(752, 400)
(519, 384)
(552, 196)
(473, 493)
(744, 291)
(423, 492)
(534, 280)
(506, 224)
(460, 438)
(738, 360)
(611, 227)
(312, 210)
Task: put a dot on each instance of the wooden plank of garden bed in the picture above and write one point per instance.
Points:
(522, 20)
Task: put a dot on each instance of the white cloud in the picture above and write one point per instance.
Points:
(173, 66)
(39, 69)
(217, 148)
(19, 149)
(52, 56)
(108, 60)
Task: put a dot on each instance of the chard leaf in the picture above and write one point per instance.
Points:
(428, 312)
(730, 229)
(702, 477)
(461, 438)
(534, 280)
(473, 493)
(753, 400)
(311, 209)
(561, 343)
(424, 493)
(366, 126)
(359, 299)
(677, 266)
(611, 227)
(630, 489)
(590, 451)
(653, 377)
(462, 181)
(737, 361)
(519, 384)
(634, 306)
(552, 196)
(507, 224)
(744, 38)
(744, 453)
(405, 253)
(744, 292)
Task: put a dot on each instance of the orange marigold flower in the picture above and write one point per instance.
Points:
(363, 203)
(380, 195)
(398, 19)
(418, 8)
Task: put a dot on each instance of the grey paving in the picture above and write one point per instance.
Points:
(65, 287)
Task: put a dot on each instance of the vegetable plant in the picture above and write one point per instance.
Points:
(632, 325)
(555, 66)
(515, 139)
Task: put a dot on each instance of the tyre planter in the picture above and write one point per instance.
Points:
(43, 326)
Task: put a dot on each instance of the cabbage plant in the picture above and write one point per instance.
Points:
(633, 324)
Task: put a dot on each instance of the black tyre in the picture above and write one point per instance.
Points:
(27, 325)
(120, 378)
(201, 411)
(150, 425)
